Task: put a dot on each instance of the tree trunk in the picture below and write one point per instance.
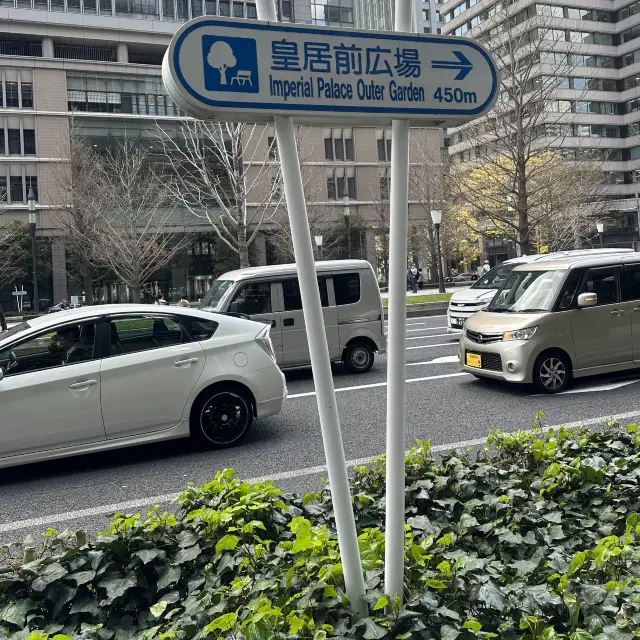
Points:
(243, 248)
(135, 294)
(87, 281)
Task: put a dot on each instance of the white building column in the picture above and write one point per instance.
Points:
(122, 53)
(47, 47)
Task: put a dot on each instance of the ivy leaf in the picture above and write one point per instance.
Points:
(159, 608)
(148, 555)
(60, 594)
(50, 574)
(116, 585)
(593, 593)
(436, 584)
(381, 603)
(371, 630)
(580, 634)
(490, 595)
(227, 542)
(186, 538)
(187, 555)
(169, 576)
(448, 632)
(82, 577)
(524, 566)
(225, 622)
(16, 613)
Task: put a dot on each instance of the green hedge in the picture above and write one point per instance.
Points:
(537, 538)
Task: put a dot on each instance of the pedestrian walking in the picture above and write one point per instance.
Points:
(420, 279)
(3, 320)
(183, 303)
(414, 278)
(485, 267)
(161, 300)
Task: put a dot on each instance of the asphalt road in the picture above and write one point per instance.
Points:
(448, 407)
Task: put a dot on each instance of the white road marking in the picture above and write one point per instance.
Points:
(431, 346)
(427, 329)
(435, 335)
(308, 394)
(442, 360)
(607, 386)
(107, 509)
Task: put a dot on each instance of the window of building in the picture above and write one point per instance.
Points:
(224, 8)
(337, 13)
(13, 137)
(347, 288)
(16, 189)
(26, 89)
(29, 142)
(238, 10)
(11, 100)
(426, 15)
(384, 145)
(273, 148)
(2, 149)
(385, 186)
(337, 181)
(3, 188)
(338, 145)
(426, 29)
(252, 13)
(285, 8)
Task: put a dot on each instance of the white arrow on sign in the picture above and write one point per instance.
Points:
(229, 69)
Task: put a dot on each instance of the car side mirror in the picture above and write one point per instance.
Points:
(587, 300)
(1, 373)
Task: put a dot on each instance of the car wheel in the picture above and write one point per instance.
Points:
(552, 372)
(358, 357)
(222, 417)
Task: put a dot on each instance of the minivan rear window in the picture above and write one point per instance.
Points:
(347, 288)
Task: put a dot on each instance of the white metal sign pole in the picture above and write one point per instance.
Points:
(320, 364)
(397, 339)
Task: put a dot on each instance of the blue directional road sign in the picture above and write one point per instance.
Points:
(228, 69)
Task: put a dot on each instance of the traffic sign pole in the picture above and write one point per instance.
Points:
(319, 351)
(397, 340)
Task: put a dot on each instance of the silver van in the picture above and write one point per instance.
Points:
(554, 321)
(463, 304)
(352, 308)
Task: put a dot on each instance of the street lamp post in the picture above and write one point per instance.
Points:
(31, 200)
(600, 228)
(319, 245)
(346, 211)
(436, 218)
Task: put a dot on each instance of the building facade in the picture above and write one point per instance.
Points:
(99, 62)
(379, 15)
(597, 43)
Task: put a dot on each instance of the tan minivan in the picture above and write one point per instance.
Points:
(554, 321)
(352, 308)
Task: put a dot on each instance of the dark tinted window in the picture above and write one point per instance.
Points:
(604, 283)
(631, 282)
(199, 328)
(568, 293)
(14, 141)
(56, 347)
(143, 333)
(291, 294)
(252, 298)
(29, 142)
(347, 288)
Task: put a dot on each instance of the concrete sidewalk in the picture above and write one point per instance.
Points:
(426, 292)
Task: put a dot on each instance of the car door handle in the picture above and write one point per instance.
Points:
(184, 363)
(85, 384)
(288, 322)
(617, 312)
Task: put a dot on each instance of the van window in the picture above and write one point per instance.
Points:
(291, 293)
(631, 283)
(569, 289)
(347, 288)
(604, 283)
(252, 298)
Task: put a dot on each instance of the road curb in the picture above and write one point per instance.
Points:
(424, 309)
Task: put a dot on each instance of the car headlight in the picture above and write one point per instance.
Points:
(520, 334)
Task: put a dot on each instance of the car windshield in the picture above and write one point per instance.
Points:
(494, 278)
(12, 331)
(528, 292)
(213, 297)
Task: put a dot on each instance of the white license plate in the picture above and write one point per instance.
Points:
(457, 322)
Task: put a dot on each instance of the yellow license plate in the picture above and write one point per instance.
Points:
(474, 360)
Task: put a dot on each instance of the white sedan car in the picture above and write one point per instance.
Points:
(104, 377)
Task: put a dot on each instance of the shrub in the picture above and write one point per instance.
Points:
(536, 538)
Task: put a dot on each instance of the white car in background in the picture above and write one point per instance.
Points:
(104, 377)
(463, 304)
